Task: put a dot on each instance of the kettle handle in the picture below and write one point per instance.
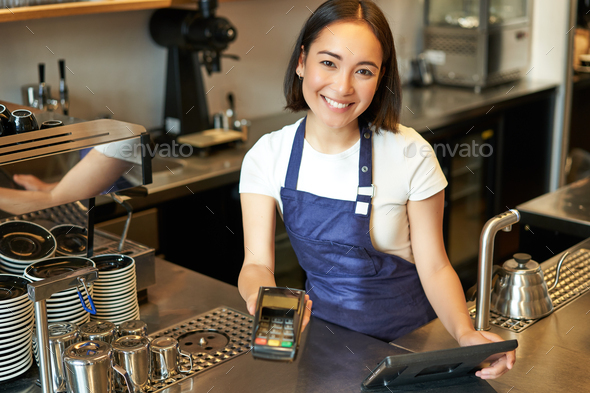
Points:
(125, 375)
(471, 293)
(565, 254)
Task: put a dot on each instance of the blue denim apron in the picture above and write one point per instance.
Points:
(351, 284)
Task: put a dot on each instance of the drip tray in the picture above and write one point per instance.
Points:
(212, 338)
(209, 341)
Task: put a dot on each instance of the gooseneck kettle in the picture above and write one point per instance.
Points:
(520, 292)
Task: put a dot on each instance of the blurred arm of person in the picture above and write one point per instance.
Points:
(32, 183)
(88, 178)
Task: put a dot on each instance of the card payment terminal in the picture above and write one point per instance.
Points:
(277, 323)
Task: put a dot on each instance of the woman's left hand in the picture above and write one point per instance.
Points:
(500, 363)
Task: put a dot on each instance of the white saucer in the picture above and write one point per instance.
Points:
(105, 296)
(16, 308)
(80, 321)
(17, 370)
(9, 270)
(105, 282)
(19, 362)
(20, 337)
(12, 318)
(14, 265)
(67, 315)
(24, 321)
(122, 317)
(117, 273)
(116, 312)
(114, 306)
(54, 302)
(11, 354)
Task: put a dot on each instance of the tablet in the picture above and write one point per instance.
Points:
(413, 368)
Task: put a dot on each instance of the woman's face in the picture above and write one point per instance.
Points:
(341, 73)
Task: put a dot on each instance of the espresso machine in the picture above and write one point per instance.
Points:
(194, 39)
(83, 160)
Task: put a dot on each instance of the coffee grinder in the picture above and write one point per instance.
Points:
(193, 39)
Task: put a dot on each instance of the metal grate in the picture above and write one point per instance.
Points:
(503, 77)
(211, 338)
(74, 213)
(106, 243)
(452, 44)
(573, 282)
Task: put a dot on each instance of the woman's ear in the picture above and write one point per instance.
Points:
(301, 63)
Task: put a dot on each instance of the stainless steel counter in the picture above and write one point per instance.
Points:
(566, 210)
(552, 354)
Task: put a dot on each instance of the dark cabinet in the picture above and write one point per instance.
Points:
(467, 153)
(203, 232)
(492, 164)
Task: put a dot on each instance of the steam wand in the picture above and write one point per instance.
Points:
(129, 209)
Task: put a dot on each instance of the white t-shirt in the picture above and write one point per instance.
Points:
(404, 168)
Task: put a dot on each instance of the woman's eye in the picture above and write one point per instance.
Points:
(328, 63)
(365, 72)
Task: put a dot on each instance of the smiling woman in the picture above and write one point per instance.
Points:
(364, 219)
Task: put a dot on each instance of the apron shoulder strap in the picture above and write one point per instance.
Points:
(295, 158)
(366, 189)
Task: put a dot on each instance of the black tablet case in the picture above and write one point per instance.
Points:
(451, 370)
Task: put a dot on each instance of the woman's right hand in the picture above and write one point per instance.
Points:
(252, 300)
(32, 183)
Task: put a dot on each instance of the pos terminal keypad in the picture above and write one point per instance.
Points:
(275, 332)
(277, 323)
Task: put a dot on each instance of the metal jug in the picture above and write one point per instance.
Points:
(89, 368)
(61, 336)
(165, 356)
(520, 292)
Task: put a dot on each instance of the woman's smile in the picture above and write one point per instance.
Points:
(337, 105)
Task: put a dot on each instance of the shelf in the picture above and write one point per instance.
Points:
(85, 7)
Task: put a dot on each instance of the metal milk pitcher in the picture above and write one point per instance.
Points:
(61, 336)
(132, 353)
(89, 368)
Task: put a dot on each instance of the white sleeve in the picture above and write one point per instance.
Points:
(255, 176)
(127, 150)
(425, 176)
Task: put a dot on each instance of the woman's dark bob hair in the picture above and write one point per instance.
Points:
(384, 111)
